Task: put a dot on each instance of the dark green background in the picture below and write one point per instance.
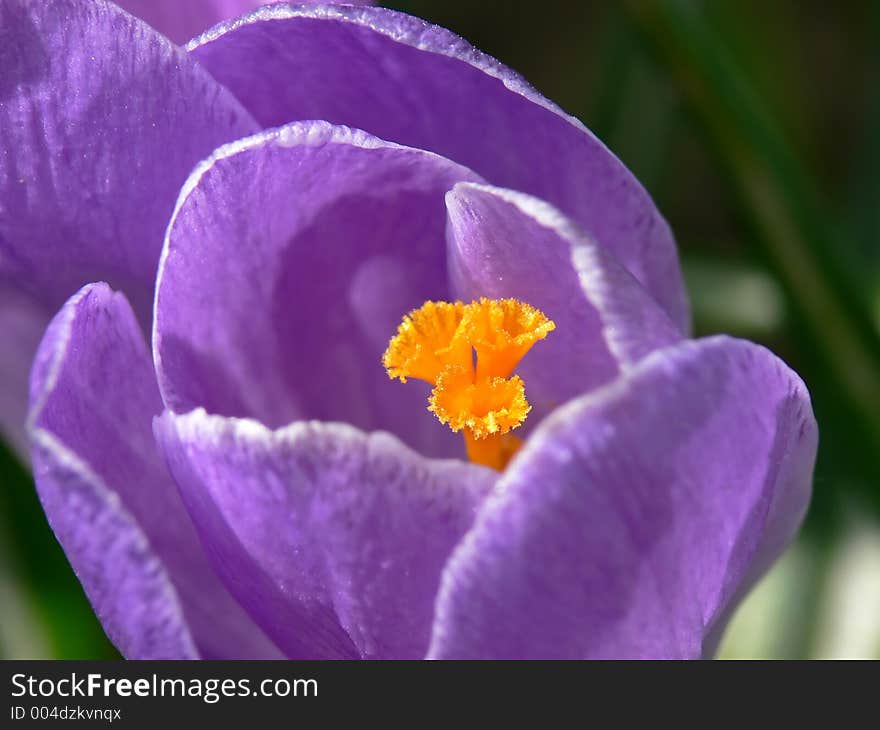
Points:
(756, 127)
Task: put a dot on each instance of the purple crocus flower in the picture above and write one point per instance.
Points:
(256, 486)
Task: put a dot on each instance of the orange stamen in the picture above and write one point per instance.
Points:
(493, 451)
(468, 353)
(483, 407)
(427, 341)
(502, 331)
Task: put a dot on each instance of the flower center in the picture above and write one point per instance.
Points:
(468, 353)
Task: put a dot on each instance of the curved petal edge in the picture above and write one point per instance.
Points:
(333, 539)
(635, 516)
(125, 582)
(109, 498)
(503, 243)
(411, 82)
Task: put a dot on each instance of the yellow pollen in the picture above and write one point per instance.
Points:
(426, 342)
(468, 353)
(484, 407)
(502, 331)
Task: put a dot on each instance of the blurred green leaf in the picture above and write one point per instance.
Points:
(731, 296)
(830, 312)
(863, 188)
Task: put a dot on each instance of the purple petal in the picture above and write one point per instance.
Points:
(180, 20)
(506, 244)
(128, 586)
(109, 498)
(101, 120)
(289, 263)
(334, 539)
(633, 516)
(410, 82)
